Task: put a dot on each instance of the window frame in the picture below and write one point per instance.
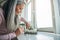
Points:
(33, 13)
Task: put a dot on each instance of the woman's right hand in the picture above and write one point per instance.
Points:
(19, 31)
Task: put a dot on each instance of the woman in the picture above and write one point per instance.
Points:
(6, 34)
(15, 7)
(13, 20)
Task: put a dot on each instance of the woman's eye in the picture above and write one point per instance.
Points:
(20, 8)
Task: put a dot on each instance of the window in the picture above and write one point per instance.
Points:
(29, 12)
(43, 13)
(40, 14)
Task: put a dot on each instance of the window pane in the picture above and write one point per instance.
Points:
(43, 13)
(29, 12)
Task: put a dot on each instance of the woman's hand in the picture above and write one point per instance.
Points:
(27, 24)
(19, 31)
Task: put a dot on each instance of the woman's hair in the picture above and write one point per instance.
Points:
(0, 6)
(9, 9)
(8, 4)
(5, 8)
(19, 2)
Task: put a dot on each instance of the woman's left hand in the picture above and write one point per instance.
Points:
(27, 25)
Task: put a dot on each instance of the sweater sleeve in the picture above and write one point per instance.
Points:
(8, 36)
(11, 35)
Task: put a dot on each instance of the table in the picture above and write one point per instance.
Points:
(39, 36)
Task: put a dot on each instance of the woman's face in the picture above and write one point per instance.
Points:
(19, 8)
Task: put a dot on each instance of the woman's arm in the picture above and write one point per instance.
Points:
(13, 34)
(8, 36)
(27, 24)
(16, 33)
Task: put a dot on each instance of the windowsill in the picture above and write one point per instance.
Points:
(49, 29)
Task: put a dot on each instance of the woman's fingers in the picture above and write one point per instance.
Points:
(19, 31)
